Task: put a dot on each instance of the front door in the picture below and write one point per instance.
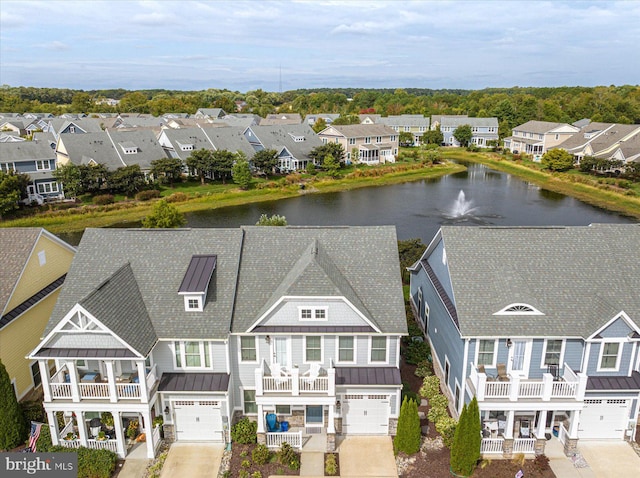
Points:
(280, 351)
(519, 355)
(313, 415)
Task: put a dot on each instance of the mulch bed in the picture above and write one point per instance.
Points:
(241, 453)
(433, 459)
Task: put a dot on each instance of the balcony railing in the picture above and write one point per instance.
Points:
(524, 445)
(571, 386)
(294, 382)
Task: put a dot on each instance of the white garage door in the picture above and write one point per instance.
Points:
(365, 414)
(602, 419)
(198, 420)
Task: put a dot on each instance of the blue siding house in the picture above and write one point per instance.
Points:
(540, 326)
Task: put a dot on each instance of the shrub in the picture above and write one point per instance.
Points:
(446, 427)
(430, 387)
(465, 450)
(288, 457)
(12, 426)
(541, 463)
(424, 369)
(439, 401)
(177, 197)
(417, 351)
(245, 431)
(243, 474)
(103, 199)
(330, 465)
(260, 455)
(245, 464)
(435, 414)
(256, 474)
(147, 195)
(408, 435)
(408, 393)
(92, 463)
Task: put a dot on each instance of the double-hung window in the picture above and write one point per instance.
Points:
(249, 399)
(552, 352)
(192, 354)
(486, 352)
(346, 349)
(248, 351)
(313, 349)
(609, 356)
(378, 349)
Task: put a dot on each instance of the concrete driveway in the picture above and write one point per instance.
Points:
(610, 459)
(193, 460)
(367, 457)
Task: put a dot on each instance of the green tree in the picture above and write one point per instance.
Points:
(265, 160)
(164, 215)
(331, 165)
(409, 251)
(463, 134)
(475, 439)
(81, 103)
(465, 451)
(201, 162)
(433, 136)
(70, 176)
(406, 138)
(13, 187)
(93, 177)
(346, 119)
(12, 426)
(223, 163)
(274, 220)
(319, 153)
(127, 179)
(408, 434)
(557, 160)
(167, 170)
(319, 125)
(242, 173)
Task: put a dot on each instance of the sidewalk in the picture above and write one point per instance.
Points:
(563, 466)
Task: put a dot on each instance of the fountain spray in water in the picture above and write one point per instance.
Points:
(462, 207)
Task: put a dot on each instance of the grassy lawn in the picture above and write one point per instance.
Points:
(216, 195)
(597, 191)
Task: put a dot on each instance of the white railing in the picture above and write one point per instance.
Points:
(320, 384)
(497, 389)
(531, 389)
(491, 445)
(70, 443)
(275, 440)
(562, 434)
(152, 376)
(100, 444)
(128, 390)
(524, 445)
(568, 375)
(60, 390)
(276, 384)
(59, 376)
(94, 390)
(564, 389)
(156, 436)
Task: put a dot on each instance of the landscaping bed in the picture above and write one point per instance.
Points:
(243, 465)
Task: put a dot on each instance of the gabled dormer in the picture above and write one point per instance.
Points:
(128, 147)
(195, 282)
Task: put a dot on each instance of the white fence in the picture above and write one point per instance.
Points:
(524, 445)
(275, 440)
(491, 445)
(100, 444)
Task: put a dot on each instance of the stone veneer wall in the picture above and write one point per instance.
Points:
(570, 446)
(169, 433)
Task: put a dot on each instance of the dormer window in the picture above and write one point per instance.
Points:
(185, 147)
(313, 313)
(128, 147)
(193, 303)
(195, 282)
(519, 309)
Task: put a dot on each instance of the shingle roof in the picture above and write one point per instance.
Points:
(578, 277)
(26, 151)
(230, 138)
(363, 130)
(360, 263)
(278, 136)
(16, 244)
(474, 122)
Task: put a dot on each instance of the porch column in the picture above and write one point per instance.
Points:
(573, 424)
(331, 373)
(44, 376)
(117, 423)
(82, 428)
(257, 374)
(73, 379)
(53, 428)
(508, 431)
(111, 377)
(582, 385)
(514, 389)
(331, 427)
(547, 386)
(148, 430)
(142, 381)
(260, 418)
(481, 386)
(542, 423)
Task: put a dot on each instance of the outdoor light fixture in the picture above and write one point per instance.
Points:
(509, 343)
(268, 339)
(166, 410)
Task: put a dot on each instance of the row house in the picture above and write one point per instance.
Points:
(201, 327)
(537, 137)
(483, 130)
(180, 143)
(417, 125)
(364, 143)
(603, 140)
(549, 347)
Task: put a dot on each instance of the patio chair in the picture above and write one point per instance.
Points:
(279, 374)
(481, 369)
(310, 375)
(272, 423)
(502, 372)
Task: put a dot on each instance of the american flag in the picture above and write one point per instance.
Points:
(35, 434)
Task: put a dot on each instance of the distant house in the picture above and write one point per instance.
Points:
(436, 120)
(537, 137)
(210, 113)
(327, 117)
(603, 140)
(375, 143)
(38, 160)
(483, 129)
(540, 326)
(281, 118)
(34, 267)
(417, 125)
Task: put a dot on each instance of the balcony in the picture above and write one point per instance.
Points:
(570, 386)
(294, 382)
(91, 386)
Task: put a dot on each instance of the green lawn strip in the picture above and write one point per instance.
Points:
(564, 183)
(78, 219)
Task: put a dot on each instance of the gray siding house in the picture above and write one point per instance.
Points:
(540, 326)
(204, 326)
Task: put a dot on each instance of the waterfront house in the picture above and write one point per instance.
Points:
(537, 137)
(417, 125)
(364, 143)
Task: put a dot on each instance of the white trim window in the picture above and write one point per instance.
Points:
(312, 313)
(47, 188)
(35, 374)
(193, 303)
(352, 141)
(43, 165)
(486, 352)
(378, 349)
(553, 349)
(313, 348)
(609, 359)
(248, 349)
(192, 354)
(346, 349)
(249, 405)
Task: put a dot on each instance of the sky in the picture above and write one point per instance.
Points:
(284, 45)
